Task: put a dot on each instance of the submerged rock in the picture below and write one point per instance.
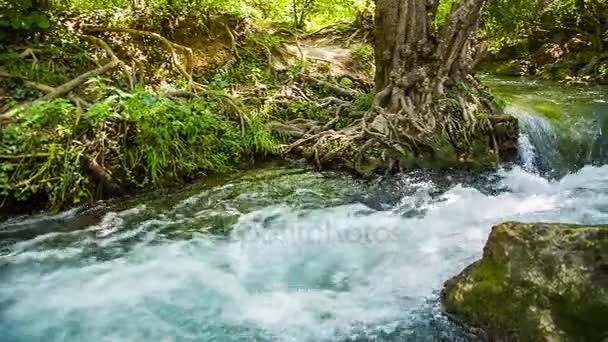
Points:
(536, 282)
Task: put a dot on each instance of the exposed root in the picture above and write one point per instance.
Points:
(102, 175)
(46, 89)
(184, 69)
(64, 88)
(336, 89)
(29, 52)
(125, 69)
(227, 100)
(391, 138)
(234, 47)
(328, 101)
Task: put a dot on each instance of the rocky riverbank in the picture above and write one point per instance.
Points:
(536, 282)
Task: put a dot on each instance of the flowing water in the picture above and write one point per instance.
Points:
(285, 254)
(563, 127)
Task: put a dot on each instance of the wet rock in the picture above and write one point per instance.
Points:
(506, 131)
(536, 282)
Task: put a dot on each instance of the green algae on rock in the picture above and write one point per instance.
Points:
(536, 282)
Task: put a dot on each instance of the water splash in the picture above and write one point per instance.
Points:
(302, 256)
(538, 139)
(293, 269)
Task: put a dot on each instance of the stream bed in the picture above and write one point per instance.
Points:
(278, 253)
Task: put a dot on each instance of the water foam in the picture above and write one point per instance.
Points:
(286, 273)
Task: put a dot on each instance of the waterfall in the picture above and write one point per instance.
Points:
(537, 141)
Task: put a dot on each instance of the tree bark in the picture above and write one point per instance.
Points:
(424, 83)
(428, 107)
(409, 51)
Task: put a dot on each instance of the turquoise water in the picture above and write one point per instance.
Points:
(568, 125)
(279, 253)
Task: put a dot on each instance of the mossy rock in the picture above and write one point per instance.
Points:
(536, 282)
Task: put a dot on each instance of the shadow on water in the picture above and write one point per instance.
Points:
(288, 254)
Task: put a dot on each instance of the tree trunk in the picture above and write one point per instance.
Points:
(428, 108)
(426, 94)
(415, 63)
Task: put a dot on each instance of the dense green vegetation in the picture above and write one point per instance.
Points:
(198, 87)
(550, 38)
(150, 140)
(137, 128)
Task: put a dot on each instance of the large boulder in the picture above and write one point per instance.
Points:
(536, 282)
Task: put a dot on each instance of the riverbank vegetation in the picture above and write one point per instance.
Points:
(101, 98)
(565, 40)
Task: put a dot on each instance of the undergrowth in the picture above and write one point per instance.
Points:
(52, 153)
(142, 139)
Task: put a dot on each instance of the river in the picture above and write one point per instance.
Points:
(279, 253)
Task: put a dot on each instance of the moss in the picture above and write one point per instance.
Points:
(581, 316)
(526, 288)
(483, 291)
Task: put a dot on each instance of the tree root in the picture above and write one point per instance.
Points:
(100, 174)
(394, 138)
(234, 47)
(64, 88)
(125, 69)
(24, 156)
(336, 89)
(47, 89)
(186, 70)
(227, 100)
